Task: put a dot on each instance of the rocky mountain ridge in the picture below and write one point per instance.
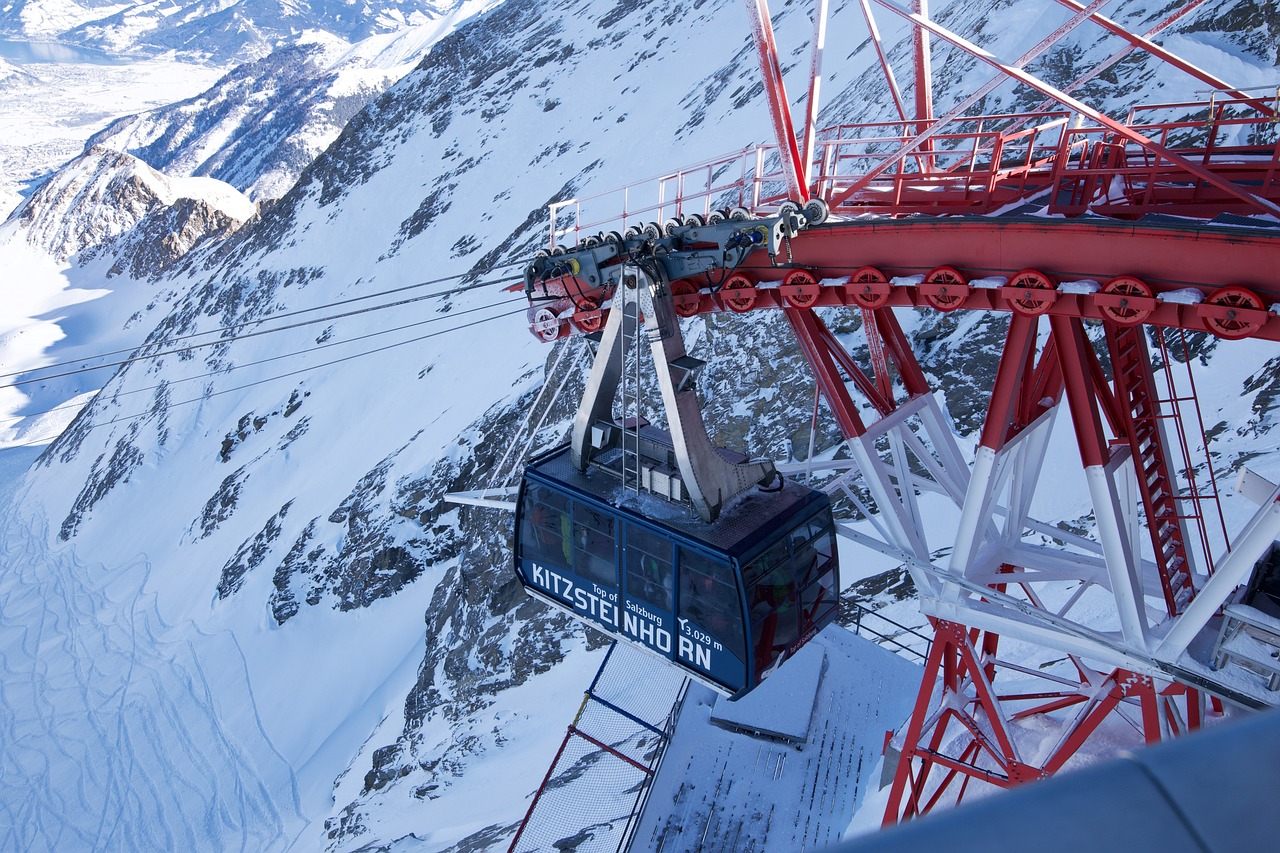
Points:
(110, 201)
(238, 30)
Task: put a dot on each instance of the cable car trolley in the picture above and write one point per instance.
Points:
(698, 555)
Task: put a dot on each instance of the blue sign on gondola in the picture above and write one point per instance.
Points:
(596, 602)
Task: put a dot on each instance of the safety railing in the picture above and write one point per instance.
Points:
(970, 164)
(872, 625)
(642, 796)
(1104, 172)
(974, 164)
(750, 178)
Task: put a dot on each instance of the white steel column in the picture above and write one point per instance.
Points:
(1122, 567)
(1259, 533)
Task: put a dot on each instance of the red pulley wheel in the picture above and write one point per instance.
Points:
(945, 288)
(869, 288)
(738, 294)
(685, 298)
(800, 289)
(1128, 301)
(1031, 293)
(1234, 312)
(589, 318)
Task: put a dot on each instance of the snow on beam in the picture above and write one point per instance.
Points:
(492, 498)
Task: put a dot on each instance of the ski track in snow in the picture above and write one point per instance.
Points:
(111, 736)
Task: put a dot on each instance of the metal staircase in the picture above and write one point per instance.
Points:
(1141, 411)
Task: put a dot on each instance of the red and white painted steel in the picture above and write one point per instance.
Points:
(1137, 280)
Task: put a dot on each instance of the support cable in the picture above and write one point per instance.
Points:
(210, 395)
(520, 430)
(224, 340)
(268, 360)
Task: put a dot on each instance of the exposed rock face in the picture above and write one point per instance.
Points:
(164, 236)
(261, 124)
(106, 200)
(359, 554)
(240, 30)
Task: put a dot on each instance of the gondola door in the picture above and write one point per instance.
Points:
(710, 636)
(792, 588)
(568, 552)
(648, 609)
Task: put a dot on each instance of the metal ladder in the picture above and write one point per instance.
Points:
(1140, 408)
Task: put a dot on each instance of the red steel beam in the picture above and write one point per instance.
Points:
(793, 167)
(1012, 373)
(805, 325)
(1119, 128)
(1166, 258)
(1075, 352)
(923, 67)
(537, 795)
(870, 388)
(909, 370)
(609, 749)
(1170, 57)
(1045, 387)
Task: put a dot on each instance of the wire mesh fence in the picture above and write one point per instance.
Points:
(634, 681)
(595, 787)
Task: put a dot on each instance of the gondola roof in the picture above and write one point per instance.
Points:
(745, 521)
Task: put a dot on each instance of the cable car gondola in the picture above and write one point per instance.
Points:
(658, 537)
(727, 601)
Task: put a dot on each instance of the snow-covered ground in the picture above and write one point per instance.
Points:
(14, 462)
(49, 109)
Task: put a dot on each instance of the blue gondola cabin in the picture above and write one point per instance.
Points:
(726, 601)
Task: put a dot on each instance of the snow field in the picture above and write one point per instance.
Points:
(117, 730)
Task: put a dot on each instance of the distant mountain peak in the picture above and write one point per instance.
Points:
(104, 194)
(224, 31)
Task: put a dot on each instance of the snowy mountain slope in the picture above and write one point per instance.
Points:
(258, 126)
(454, 718)
(45, 20)
(262, 123)
(228, 30)
(280, 494)
(88, 250)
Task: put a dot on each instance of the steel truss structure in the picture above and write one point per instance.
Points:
(1113, 279)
